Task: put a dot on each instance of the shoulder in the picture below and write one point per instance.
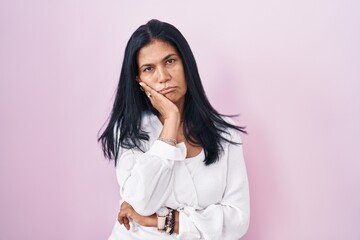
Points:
(150, 125)
(231, 133)
(149, 121)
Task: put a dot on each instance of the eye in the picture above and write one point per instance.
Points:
(170, 61)
(148, 69)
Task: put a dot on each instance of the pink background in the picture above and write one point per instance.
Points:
(290, 68)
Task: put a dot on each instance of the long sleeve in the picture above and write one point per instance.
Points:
(145, 179)
(228, 219)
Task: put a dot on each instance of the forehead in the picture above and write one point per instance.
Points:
(154, 52)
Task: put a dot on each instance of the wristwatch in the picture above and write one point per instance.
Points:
(161, 218)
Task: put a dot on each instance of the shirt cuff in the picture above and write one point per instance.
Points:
(167, 151)
(187, 229)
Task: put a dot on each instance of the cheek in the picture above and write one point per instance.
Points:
(183, 82)
(148, 82)
(180, 76)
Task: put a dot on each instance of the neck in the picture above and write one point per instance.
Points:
(180, 106)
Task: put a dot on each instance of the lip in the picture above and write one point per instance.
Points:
(167, 90)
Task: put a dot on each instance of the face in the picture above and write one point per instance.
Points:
(161, 68)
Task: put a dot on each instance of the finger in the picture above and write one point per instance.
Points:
(127, 223)
(148, 89)
(120, 219)
(122, 215)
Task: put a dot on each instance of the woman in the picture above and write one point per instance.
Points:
(179, 163)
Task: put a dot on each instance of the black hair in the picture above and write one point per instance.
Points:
(203, 125)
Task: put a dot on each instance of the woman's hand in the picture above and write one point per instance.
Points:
(127, 212)
(165, 107)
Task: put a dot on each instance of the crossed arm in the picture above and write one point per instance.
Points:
(127, 211)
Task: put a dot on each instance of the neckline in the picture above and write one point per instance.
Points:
(199, 156)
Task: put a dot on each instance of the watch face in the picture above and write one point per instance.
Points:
(162, 212)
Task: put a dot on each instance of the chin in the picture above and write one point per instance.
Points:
(172, 99)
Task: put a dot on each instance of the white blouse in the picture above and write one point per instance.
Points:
(213, 201)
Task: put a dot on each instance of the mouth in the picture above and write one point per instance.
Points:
(167, 90)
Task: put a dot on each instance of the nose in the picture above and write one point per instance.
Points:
(163, 75)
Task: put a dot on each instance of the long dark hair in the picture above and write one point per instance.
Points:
(203, 125)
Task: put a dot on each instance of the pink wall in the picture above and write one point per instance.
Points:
(290, 68)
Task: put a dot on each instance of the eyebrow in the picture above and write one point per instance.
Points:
(165, 58)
